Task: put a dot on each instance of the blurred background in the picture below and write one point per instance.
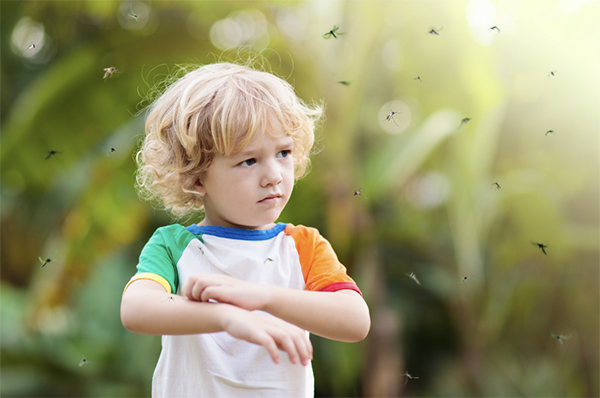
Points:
(470, 128)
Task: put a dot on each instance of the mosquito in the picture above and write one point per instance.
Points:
(408, 376)
(32, 46)
(333, 32)
(111, 150)
(496, 185)
(497, 29)
(464, 279)
(51, 153)
(268, 260)
(83, 362)
(552, 73)
(344, 82)
(390, 116)
(132, 15)
(464, 121)
(358, 193)
(201, 250)
(109, 71)
(418, 78)
(541, 246)
(549, 132)
(46, 261)
(170, 299)
(413, 277)
(435, 32)
(559, 337)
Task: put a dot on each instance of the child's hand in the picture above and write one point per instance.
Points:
(225, 289)
(272, 333)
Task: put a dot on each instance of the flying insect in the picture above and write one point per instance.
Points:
(46, 261)
(413, 277)
(51, 153)
(408, 376)
(358, 193)
(333, 32)
(541, 246)
(390, 116)
(108, 72)
(559, 337)
(464, 121)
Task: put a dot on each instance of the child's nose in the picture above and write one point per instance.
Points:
(271, 174)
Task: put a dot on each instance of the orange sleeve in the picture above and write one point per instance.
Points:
(321, 268)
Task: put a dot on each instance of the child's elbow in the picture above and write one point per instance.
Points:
(364, 329)
(361, 325)
(128, 316)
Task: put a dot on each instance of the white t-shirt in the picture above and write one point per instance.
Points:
(217, 364)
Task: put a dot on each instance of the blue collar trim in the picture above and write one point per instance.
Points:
(236, 233)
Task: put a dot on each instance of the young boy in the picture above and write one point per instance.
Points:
(231, 292)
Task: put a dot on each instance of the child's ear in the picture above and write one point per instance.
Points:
(200, 188)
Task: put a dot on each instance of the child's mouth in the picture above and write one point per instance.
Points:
(271, 199)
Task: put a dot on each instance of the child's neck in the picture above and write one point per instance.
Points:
(206, 223)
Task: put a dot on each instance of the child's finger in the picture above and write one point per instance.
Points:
(295, 342)
(286, 343)
(189, 288)
(270, 345)
(304, 347)
(212, 292)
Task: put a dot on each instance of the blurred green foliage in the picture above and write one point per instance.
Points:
(430, 205)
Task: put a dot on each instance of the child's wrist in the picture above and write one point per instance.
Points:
(269, 298)
(227, 313)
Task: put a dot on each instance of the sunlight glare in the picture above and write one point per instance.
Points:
(481, 15)
(246, 27)
(25, 34)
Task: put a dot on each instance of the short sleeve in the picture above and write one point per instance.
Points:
(159, 257)
(321, 268)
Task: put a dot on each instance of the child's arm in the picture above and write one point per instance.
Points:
(147, 308)
(341, 315)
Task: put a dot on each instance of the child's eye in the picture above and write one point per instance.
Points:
(284, 154)
(248, 162)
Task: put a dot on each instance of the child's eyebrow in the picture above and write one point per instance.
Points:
(245, 154)
(249, 153)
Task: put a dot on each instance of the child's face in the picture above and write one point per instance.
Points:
(251, 188)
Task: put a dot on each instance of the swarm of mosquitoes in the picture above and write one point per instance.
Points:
(332, 33)
(390, 118)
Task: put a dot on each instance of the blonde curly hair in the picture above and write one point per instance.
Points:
(215, 109)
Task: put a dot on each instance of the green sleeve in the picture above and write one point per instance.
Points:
(163, 251)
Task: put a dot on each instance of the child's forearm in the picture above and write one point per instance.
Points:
(154, 311)
(341, 315)
(147, 308)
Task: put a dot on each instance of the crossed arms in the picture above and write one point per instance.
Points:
(342, 315)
